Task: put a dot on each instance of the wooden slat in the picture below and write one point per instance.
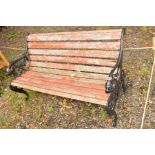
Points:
(79, 68)
(82, 82)
(87, 61)
(75, 45)
(72, 89)
(82, 91)
(80, 35)
(76, 53)
(65, 77)
(70, 73)
(35, 87)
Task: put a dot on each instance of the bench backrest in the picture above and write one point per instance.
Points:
(86, 54)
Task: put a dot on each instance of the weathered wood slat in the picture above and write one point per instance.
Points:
(82, 82)
(82, 91)
(69, 73)
(75, 45)
(76, 53)
(66, 77)
(35, 87)
(87, 61)
(80, 35)
(79, 68)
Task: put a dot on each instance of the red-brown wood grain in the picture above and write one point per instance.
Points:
(78, 68)
(76, 74)
(42, 89)
(75, 45)
(82, 82)
(80, 35)
(62, 87)
(76, 53)
(87, 61)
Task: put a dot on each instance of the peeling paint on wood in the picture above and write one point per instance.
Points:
(76, 74)
(42, 89)
(87, 61)
(75, 45)
(78, 68)
(75, 36)
(76, 53)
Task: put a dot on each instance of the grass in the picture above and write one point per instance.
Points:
(38, 117)
(12, 54)
(143, 28)
(3, 80)
(44, 126)
(12, 35)
(143, 90)
(144, 72)
(32, 94)
(50, 109)
(153, 80)
(102, 114)
(129, 75)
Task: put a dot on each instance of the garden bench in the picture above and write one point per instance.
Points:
(83, 65)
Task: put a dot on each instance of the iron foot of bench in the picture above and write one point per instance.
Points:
(19, 90)
(123, 80)
(113, 114)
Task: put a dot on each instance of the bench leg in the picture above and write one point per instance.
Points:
(19, 90)
(110, 109)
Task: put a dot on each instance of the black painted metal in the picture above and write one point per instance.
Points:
(115, 82)
(19, 65)
(19, 90)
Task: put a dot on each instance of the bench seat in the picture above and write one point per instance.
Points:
(83, 90)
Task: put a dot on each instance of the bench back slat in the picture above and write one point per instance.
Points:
(69, 73)
(75, 60)
(75, 45)
(75, 36)
(76, 53)
(65, 78)
(79, 68)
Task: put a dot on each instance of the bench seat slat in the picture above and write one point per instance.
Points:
(59, 85)
(90, 83)
(78, 68)
(65, 87)
(76, 53)
(80, 35)
(38, 88)
(87, 61)
(69, 73)
(75, 45)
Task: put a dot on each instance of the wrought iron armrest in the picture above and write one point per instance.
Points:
(16, 65)
(114, 74)
(109, 86)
